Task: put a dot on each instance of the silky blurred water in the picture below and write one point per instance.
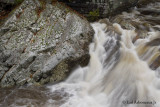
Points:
(119, 73)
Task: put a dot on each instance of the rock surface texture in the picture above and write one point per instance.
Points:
(100, 8)
(42, 42)
(96, 9)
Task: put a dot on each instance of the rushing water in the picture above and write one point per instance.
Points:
(118, 74)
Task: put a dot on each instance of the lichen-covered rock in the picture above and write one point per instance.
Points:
(41, 42)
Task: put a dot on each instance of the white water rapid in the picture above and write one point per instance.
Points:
(124, 68)
(117, 75)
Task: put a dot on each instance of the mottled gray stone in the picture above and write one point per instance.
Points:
(39, 46)
(3, 69)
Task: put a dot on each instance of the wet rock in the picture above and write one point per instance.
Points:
(146, 25)
(155, 63)
(155, 42)
(145, 2)
(11, 2)
(95, 9)
(41, 46)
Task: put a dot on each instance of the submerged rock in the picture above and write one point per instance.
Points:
(42, 42)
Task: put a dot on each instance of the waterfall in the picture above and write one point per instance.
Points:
(120, 73)
(116, 75)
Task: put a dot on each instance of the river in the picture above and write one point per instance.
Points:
(122, 71)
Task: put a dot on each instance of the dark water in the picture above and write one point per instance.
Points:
(31, 96)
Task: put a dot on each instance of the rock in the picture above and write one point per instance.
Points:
(42, 42)
(5, 8)
(155, 42)
(2, 71)
(95, 9)
(155, 63)
(146, 25)
(14, 2)
(145, 2)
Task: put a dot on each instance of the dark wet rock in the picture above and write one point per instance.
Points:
(149, 11)
(145, 2)
(11, 2)
(8, 1)
(155, 42)
(16, 95)
(41, 46)
(5, 9)
(144, 25)
(95, 9)
(155, 63)
(38, 96)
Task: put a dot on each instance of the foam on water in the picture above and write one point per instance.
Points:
(112, 82)
(118, 74)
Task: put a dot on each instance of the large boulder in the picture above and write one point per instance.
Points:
(42, 42)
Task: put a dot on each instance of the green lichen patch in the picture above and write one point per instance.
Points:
(18, 1)
(94, 15)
